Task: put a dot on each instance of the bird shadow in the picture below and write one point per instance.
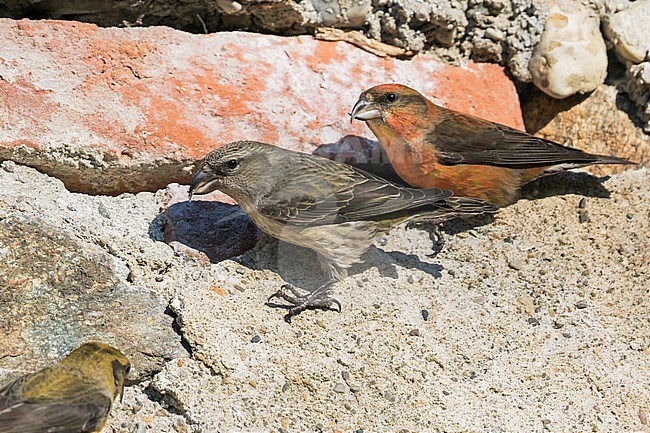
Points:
(218, 230)
(299, 266)
(362, 153)
(568, 182)
(461, 225)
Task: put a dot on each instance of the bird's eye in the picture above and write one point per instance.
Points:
(391, 97)
(127, 369)
(232, 164)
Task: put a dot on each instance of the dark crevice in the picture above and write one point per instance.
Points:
(177, 329)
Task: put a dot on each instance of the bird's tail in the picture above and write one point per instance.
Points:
(606, 159)
(453, 207)
(595, 159)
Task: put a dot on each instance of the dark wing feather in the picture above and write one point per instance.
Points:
(327, 192)
(26, 417)
(462, 139)
(9, 393)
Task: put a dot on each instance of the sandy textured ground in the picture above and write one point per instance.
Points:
(533, 322)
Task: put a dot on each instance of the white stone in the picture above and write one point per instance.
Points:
(629, 31)
(571, 56)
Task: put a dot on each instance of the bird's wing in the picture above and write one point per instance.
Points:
(27, 417)
(330, 193)
(462, 139)
(9, 393)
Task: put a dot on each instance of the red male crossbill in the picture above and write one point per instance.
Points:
(73, 396)
(332, 208)
(432, 146)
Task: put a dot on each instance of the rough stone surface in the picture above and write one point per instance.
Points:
(505, 32)
(495, 30)
(637, 86)
(467, 353)
(114, 110)
(631, 39)
(500, 349)
(61, 288)
(571, 56)
(592, 122)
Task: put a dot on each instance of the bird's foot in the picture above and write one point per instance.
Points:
(433, 227)
(299, 302)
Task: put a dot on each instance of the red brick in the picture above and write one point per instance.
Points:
(108, 110)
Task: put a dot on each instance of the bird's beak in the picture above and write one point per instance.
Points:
(364, 110)
(204, 182)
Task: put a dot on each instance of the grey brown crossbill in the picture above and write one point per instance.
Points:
(73, 396)
(432, 146)
(332, 208)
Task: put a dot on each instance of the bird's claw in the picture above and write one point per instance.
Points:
(299, 302)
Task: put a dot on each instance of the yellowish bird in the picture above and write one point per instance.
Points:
(73, 396)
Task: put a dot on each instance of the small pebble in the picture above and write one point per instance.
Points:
(382, 241)
(495, 34)
(583, 216)
(547, 424)
(345, 375)
(527, 302)
(414, 332)
(285, 387)
(103, 211)
(516, 263)
(445, 392)
(630, 216)
(533, 321)
(339, 387)
(582, 304)
(9, 166)
(425, 314)
(347, 405)
(360, 430)
(256, 339)
(480, 299)
(410, 279)
(566, 334)
(582, 204)
(390, 396)
(355, 388)
(451, 272)
(282, 430)
(643, 417)
(558, 324)
(239, 287)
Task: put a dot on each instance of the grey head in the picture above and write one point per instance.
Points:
(241, 169)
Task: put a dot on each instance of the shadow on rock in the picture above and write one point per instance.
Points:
(569, 182)
(361, 153)
(300, 267)
(220, 231)
(460, 225)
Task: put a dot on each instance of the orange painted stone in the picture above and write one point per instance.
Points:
(109, 110)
